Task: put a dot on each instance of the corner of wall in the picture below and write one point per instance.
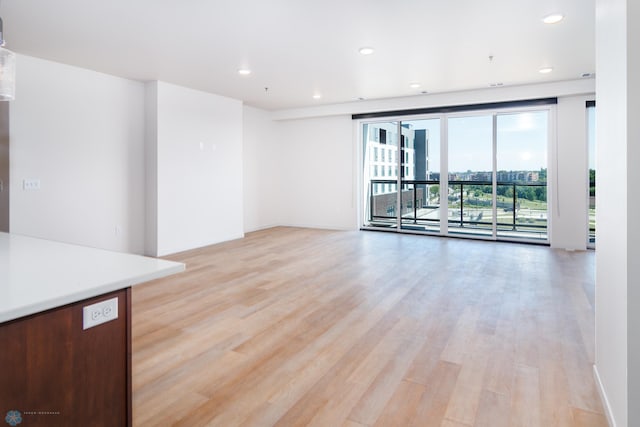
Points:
(151, 168)
(198, 162)
(569, 174)
(262, 170)
(86, 148)
(603, 396)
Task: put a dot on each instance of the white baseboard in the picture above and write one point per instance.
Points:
(339, 227)
(323, 226)
(260, 228)
(603, 397)
(312, 226)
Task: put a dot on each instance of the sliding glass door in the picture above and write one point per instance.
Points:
(470, 155)
(419, 167)
(521, 154)
(380, 166)
(405, 156)
(482, 175)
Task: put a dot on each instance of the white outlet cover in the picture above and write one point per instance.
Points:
(31, 184)
(99, 313)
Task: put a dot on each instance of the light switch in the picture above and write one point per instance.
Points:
(31, 184)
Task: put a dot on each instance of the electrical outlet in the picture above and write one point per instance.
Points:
(100, 312)
(31, 184)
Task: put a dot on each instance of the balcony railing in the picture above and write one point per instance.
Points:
(521, 207)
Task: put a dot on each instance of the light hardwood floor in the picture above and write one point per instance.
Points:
(297, 327)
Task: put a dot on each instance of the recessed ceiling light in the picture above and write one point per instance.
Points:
(244, 71)
(545, 70)
(554, 18)
(366, 50)
(317, 96)
(414, 85)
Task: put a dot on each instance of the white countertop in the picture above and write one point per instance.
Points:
(37, 275)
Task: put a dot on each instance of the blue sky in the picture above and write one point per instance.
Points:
(522, 141)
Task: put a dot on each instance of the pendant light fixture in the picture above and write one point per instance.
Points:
(7, 71)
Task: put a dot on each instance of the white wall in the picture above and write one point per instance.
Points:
(617, 198)
(199, 169)
(477, 96)
(81, 133)
(299, 173)
(570, 209)
(151, 168)
(121, 168)
(318, 159)
(263, 180)
(318, 165)
(633, 209)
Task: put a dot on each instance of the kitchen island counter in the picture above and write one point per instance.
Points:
(38, 275)
(65, 328)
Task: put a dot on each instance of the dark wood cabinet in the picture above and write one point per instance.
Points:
(57, 374)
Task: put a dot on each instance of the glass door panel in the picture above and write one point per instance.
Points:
(521, 156)
(495, 185)
(380, 173)
(591, 136)
(419, 169)
(470, 164)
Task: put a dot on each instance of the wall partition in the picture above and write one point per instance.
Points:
(478, 173)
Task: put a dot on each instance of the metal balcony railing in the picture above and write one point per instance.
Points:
(418, 200)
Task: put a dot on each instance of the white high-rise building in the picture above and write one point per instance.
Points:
(381, 155)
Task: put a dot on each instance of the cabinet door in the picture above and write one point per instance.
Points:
(54, 373)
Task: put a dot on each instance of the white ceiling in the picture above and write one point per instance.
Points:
(298, 48)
